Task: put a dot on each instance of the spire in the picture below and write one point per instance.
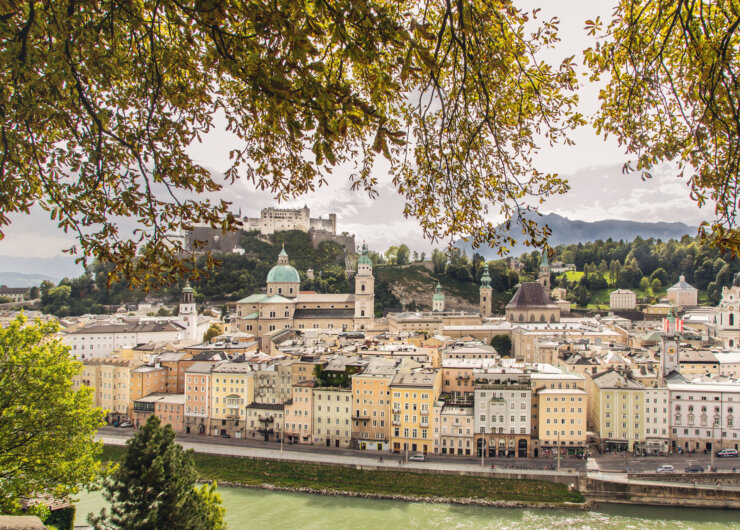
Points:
(364, 256)
(545, 262)
(485, 279)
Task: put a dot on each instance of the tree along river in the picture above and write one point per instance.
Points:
(252, 508)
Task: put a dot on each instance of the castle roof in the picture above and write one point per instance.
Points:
(530, 294)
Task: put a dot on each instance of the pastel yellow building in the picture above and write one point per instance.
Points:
(562, 417)
(616, 410)
(413, 395)
(110, 381)
(232, 389)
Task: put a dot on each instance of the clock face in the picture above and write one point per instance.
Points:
(671, 350)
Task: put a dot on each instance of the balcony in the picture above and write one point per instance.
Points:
(265, 432)
(266, 419)
(360, 417)
(396, 422)
(424, 413)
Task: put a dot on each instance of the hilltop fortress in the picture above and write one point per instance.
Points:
(271, 220)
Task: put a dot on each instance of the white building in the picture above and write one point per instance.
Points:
(622, 299)
(502, 412)
(657, 419)
(725, 326)
(100, 340)
(729, 364)
(705, 414)
(682, 294)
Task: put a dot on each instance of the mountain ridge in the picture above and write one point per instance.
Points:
(572, 231)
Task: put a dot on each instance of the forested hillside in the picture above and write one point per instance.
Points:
(647, 266)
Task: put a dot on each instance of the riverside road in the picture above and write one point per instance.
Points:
(608, 463)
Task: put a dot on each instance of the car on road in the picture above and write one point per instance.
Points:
(695, 469)
(727, 453)
(416, 458)
(225, 435)
(126, 424)
(665, 468)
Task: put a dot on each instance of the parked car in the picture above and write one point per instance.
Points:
(126, 424)
(416, 458)
(225, 435)
(665, 468)
(727, 453)
(695, 469)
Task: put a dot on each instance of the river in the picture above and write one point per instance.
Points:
(250, 508)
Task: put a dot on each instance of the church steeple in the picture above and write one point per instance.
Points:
(544, 277)
(438, 300)
(486, 293)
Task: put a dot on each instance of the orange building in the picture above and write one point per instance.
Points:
(146, 380)
(371, 405)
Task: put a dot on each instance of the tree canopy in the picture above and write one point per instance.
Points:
(101, 101)
(47, 430)
(673, 94)
(155, 487)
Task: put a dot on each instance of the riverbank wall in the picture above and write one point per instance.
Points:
(643, 492)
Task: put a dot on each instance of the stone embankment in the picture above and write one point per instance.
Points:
(470, 501)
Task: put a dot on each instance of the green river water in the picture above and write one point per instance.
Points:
(261, 509)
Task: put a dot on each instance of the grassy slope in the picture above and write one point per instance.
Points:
(320, 477)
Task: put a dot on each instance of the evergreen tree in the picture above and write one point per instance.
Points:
(154, 487)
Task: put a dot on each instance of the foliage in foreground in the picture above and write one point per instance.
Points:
(47, 430)
(154, 487)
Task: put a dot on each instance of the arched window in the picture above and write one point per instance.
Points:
(542, 318)
(732, 319)
(362, 288)
(691, 419)
(552, 318)
(703, 420)
(678, 419)
(521, 318)
(531, 318)
(729, 421)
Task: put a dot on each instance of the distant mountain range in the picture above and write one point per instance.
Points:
(566, 231)
(18, 279)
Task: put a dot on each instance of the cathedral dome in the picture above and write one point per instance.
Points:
(283, 274)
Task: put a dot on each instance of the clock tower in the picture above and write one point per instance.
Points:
(669, 347)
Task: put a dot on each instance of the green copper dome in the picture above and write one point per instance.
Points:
(438, 294)
(364, 258)
(283, 274)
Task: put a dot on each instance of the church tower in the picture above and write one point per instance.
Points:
(188, 315)
(669, 347)
(438, 300)
(544, 278)
(486, 293)
(364, 291)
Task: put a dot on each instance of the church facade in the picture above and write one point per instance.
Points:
(285, 306)
(725, 325)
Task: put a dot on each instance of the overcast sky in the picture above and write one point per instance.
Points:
(592, 166)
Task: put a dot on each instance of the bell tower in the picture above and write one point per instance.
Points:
(486, 293)
(187, 314)
(364, 291)
(438, 300)
(544, 277)
(669, 344)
